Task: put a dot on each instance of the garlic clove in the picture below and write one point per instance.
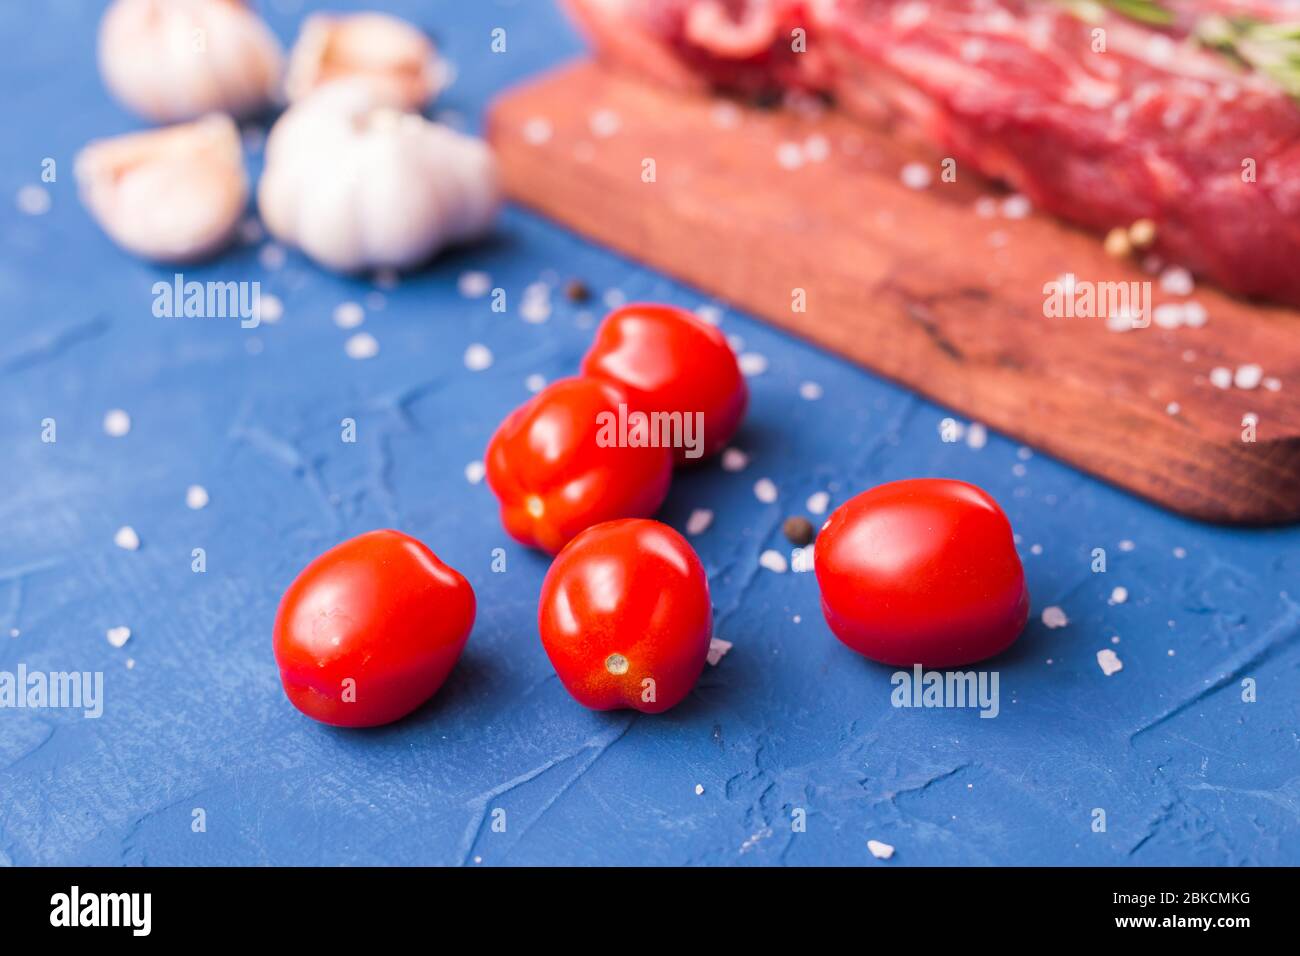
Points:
(394, 58)
(357, 184)
(171, 195)
(171, 60)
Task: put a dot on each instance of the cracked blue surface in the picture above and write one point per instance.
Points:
(1185, 770)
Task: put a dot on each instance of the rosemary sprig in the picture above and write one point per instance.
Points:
(1269, 48)
(1272, 49)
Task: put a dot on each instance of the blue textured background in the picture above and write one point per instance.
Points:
(1186, 771)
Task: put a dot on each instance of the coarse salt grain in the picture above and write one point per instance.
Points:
(789, 155)
(816, 148)
(363, 345)
(699, 521)
(118, 636)
(474, 472)
(699, 789)
(270, 308)
(765, 490)
(348, 315)
(473, 284)
(1054, 617)
(752, 363)
(1119, 595)
(881, 851)
(272, 256)
(33, 200)
(709, 313)
(604, 123)
(733, 459)
(478, 357)
(717, 650)
(1248, 376)
(810, 391)
(773, 561)
(1127, 545)
(915, 176)
(196, 497)
(1109, 661)
(116, 423)
(1016, 207)
(537, 130)
(977, 435)
(818, 502)
(127, 539)
(1177, 281)
(1221, 377)
(535, 382)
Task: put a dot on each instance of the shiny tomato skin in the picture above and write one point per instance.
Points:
(922, 571)
(670, 360)
(381, 610)
(552, 476)
(624, 602)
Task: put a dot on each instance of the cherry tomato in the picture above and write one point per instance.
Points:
(557, 468)
(625, 616)
(672, 361)
(922, 572)
(370, 630)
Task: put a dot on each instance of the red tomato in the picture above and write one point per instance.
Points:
(625, 616)
(672, 361)
(370, 630)
(922, 572)
(555, 474)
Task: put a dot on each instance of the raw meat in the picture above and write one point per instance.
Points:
(1153, 126)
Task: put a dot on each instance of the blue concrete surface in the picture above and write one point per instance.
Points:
(1185, 770)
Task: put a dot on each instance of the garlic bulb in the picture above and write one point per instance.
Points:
(171, 60)
(395, 58)
(173, 194)
(357, 184)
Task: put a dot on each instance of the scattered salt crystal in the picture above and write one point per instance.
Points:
(1024, 454)
(474, 284)
(881, 851)
(1119, 595)
(478, 357)
(1173, 408)
(604, 123)
(33, 200)
(130, 663)
(752, 363)
(1221, 377)
(1054, 617)
(1126, 545)
(817, 502)
(765, 490)
(537, 130)
(699, 789)
(269, 308)
(977, 435)
(363, 345)
(1169, 315)
(1035, 549)
(1180, 553)
(272, 256)
(196, 497)
(726, 115)
(699, 521)
(1248, 376)
(348, 315)
(1016, 207)
(118, 636)
(536, 308)
(709, 313)
(916, 176)
(717, 650)
(1019, 470)
(535, 382)
(789, 155)
(127, 539)
(810, 391)
(614, 298)
(816, 148)
(1272, 384)
(116, 423)
(1177, 281)
(474, 472)
(1109, 661)
(733, 459)
(1194, 315)
(773, 561)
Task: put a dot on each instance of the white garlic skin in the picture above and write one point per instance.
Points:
(393, 57)
(170, 195)
(173, 60)
(359, 185)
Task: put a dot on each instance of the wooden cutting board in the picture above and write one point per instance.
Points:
(920, 285)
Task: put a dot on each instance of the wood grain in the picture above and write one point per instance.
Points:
(915, 284)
